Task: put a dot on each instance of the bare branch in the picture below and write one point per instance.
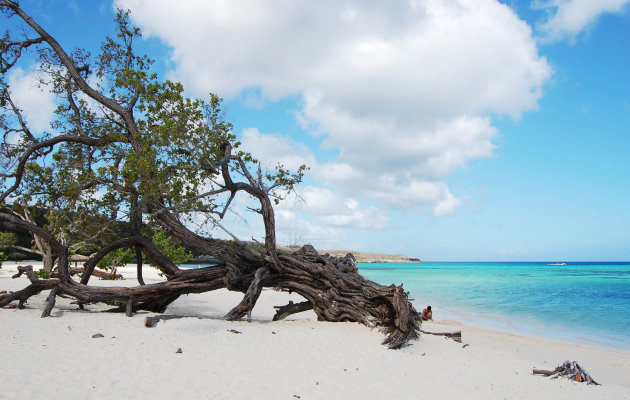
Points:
(16, 49)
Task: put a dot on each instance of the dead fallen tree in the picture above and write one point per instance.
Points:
(570, 370)
(333, 288)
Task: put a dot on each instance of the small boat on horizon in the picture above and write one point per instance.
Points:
(558, 264)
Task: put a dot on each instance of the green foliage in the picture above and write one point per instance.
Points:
(41, 274)
(117, 258)
(7, 238)
(171, 248)
(115, 303)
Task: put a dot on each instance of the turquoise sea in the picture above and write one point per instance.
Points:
(582, 302)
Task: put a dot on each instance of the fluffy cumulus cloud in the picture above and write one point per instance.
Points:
(331, 209)
(37, 105)
(293, 230)
(405, 91)
(339, 208)
(274, 149)
(567, 18)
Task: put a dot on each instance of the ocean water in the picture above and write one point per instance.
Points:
(579, 302)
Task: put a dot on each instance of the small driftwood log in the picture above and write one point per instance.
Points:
(570, 370)
(151, 322)
(456, 336)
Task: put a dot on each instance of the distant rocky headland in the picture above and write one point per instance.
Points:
(360, 256)
(365, 257)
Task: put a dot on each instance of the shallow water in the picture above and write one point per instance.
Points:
(581, 302)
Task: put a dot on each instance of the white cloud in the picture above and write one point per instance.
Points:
(413, 194)
(397, 59)
(274, 149)
(567, 18)
(433, 149)
(401, 190)
(332, 209)
(293, 230)
(405, 90)
(339, 207)
(37, 105)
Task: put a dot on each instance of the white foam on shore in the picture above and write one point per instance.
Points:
(58, 357)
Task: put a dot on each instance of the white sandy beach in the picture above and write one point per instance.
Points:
(57, 357)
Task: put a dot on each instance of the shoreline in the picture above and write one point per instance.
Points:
(282, 359)
(537, 329)
(573, 308)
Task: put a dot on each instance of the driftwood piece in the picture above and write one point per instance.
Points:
(151, 322)
(456, 336)
(570, 370)
(545, 372)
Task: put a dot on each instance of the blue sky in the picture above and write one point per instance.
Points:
(446, 130)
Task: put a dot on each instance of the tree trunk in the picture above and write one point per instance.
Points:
(48, 259)
(139, 265)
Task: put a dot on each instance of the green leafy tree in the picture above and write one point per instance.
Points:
(6, 239)
(3, 258)
(171, 248)
(116, 259)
